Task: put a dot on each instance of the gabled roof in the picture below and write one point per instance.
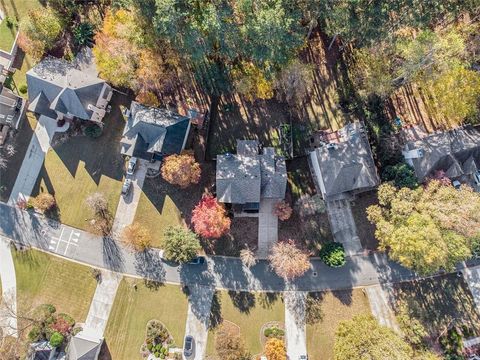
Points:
(249, 176)
(150, 131)
(83, 348)
(346, 166)
(457, 152)
(56, 85)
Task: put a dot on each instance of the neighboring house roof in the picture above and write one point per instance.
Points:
(249, 176)
(83, 347)
(11, 108)
(346, 166)
(457, 152)
(40, 351)
(57, 85)
(150, 131)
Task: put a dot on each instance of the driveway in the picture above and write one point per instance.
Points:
(472, 277)
(8, 310)
(267, 227)
(198, 318)
(380, 307)
(127, 205)
(34, 157)
(343, 226)
(295, 325)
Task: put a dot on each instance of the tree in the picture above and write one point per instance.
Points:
(428, 228)
(102, 221)
(402, 175)
(251, 82)
(39, 31)
(288, 261)
(97, 202)
(294, 81)
(180, 244)
(364, 338)
(209, 218)
(83, 34)
(275, 349)
(229, 345)
(248, 257)
(283, 210)
(44, 202)
(181, 170)
(136, 236)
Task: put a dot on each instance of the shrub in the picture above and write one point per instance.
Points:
(34, 334)
(283, 210)
(333, 254)
(23, 89)
(93, 131)
(229, 345)
(181, 170)
(248, 257)
(83, 34)
(274, 332)
(44, 202)
(11, 22)
(56, 339)
(210, 219)
(136, 236)
(402, 175)
(180, 244)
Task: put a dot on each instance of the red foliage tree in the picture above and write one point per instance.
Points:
(62, 326)
(209, 218)
(283, 210)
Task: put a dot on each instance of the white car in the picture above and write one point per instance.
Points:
(126, 186)
(132, 164)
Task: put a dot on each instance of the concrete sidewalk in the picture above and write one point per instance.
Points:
(380, 307)
(8, 311)
(295, 323)
(267, 227)
(34, 157)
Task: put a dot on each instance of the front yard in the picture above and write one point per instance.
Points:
(135, 304)
(248, 311)
(7, 36)
(334, 307)
(80, 166)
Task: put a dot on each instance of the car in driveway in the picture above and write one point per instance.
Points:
(132, 165)
(127, 185)
(199, 260)
(188, 346)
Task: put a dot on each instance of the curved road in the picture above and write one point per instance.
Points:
(30, 229)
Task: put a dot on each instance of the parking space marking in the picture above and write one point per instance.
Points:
(70, 238)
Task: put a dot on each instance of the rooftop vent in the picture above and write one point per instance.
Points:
(332, 146)
(228, 155)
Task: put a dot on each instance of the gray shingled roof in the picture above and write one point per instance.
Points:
(150, 131)
(10, 108)
(81, 348)
(248, 176)
(457, 152)
(347, 167)
(55, 84)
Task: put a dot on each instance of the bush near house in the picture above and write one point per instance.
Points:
(333, 254)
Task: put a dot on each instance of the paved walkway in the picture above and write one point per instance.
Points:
(34, 157)
(198, 318)
(472, 277)
(380, 307)
(8, 319)
(267, 227)
(127, 205)
(295, 325)
(102, 303)
(343, 226)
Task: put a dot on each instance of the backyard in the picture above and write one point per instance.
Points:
(135, 304)
(248, 311)
(79, 166)
(335, 306)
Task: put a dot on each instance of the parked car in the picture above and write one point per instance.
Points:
(127, 184)
(456, 184)
(303, 357)
(132, 164)
(188, 346)
(476, 177)
(199, 260)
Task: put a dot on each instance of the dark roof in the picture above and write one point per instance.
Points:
(10, 108)
(249, 176)
(346, 166)
(40, 351)
(57, 85)
(457, 152)
(149, 131)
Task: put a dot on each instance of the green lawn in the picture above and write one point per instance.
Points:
(133, 308)
(18, 8)
(7, 36)
(81, 166)
(46, 279)
(335, 307)
(252, 311)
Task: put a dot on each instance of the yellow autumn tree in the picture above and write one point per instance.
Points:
(181, 170)
(275, 349)
(251, 82)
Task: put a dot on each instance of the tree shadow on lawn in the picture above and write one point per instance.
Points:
(215, 311)
(242, 300)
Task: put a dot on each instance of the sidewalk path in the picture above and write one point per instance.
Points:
(295, 325)
(34, 157)
(267, 227)
(8, 319)
(380, 307)
(127, 205)
(343, 226)
(198, 318)
(472, 277)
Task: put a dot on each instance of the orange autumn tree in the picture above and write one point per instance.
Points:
(275, 349)
(181, 170)
(210, 219)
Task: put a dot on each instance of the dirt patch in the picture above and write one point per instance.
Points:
(365, 229)
(243, 232)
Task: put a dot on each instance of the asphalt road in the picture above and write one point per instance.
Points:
(30, 229)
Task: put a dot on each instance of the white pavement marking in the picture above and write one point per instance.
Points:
(33, 161)
(267, 227)
(70, 238)
(127, 205)
(8, 319)
(472, 277)
(343, 226)
(198, 318)
(380, 307)
(295, 325)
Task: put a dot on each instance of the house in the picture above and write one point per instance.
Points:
(12, 108)
(86, 345)
(344, 167)
(245, 178)
(151, 133)
(58, 90)
(457, 152)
